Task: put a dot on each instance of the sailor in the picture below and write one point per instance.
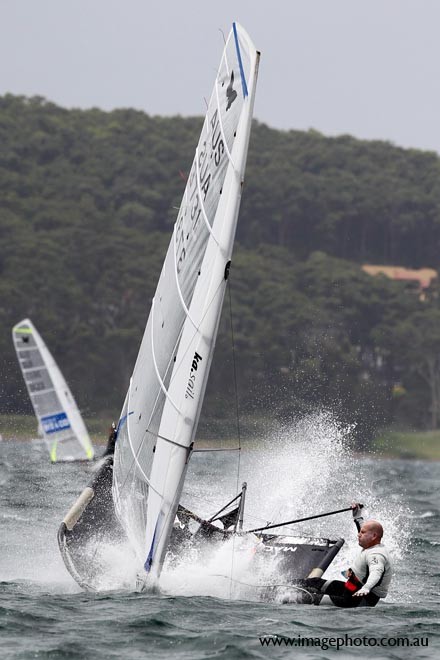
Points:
(110, 448)
(369, 578)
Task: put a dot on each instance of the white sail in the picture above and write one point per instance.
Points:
(161, 411)
(58, 416)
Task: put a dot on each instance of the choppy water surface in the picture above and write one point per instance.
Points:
(213, 610)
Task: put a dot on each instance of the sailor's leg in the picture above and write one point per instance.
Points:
(340, 595)
(335, 589)
(313, 583)
(343, 597)
(370, 600)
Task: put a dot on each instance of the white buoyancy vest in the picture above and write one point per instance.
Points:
(372, 566)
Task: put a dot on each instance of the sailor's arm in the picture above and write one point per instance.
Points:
(357, 515)
(376, 569)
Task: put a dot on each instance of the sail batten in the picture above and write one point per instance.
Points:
(202, 206)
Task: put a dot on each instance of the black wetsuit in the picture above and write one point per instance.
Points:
(341, 593)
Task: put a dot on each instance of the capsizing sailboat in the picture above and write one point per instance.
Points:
(135, 497)
(59, 419)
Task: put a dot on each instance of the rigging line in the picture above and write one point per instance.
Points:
(214, 516)
(198, 451)
(203, 499)
(234, 371)
(223, 35)
(262, 586)
(172, 442)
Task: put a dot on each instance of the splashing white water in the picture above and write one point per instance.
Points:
(300, 470)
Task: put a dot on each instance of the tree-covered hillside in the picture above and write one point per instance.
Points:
(87, 204)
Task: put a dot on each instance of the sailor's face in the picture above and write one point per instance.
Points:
(367, 537)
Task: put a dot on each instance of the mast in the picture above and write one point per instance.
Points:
(241, 509)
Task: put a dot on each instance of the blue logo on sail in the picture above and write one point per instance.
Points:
(55, 423)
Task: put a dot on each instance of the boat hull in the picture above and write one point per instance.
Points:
(90, 525)
(86, 529)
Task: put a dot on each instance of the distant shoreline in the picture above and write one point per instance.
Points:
(406, 445)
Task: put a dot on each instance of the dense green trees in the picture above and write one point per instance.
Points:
(87, 204)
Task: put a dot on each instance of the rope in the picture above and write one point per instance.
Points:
(291, 522)
(234, 370)
(269, 585)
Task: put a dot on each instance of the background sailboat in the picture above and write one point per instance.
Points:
(59, 420)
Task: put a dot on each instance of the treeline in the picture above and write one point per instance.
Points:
(87, 204)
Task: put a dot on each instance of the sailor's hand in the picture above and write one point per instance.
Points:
(356, 509)
(362, 592)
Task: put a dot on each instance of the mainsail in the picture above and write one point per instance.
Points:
(58, 416)
(162, 407)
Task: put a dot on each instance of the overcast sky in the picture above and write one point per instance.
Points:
(370, 68)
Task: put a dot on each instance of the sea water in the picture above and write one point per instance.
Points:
(212, 607)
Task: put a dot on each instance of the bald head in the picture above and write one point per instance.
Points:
(370, 534)
(375, 527)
